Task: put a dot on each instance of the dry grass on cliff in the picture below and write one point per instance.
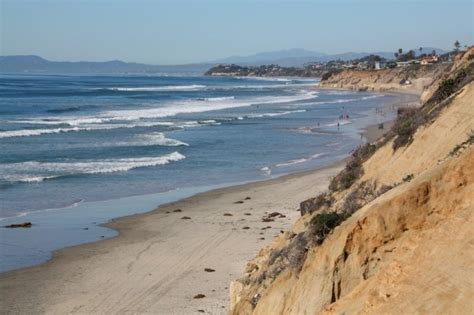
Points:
(351, 190)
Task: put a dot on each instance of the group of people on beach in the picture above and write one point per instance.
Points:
(344, 116)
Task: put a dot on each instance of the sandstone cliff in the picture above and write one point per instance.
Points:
(394, 233)
(414, 78)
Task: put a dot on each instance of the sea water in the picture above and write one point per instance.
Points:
(76, 151)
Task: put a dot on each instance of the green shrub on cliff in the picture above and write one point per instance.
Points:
(313, 204)
(405, 127)
(329, 74)
(353, 169)
(323, 223)
(448, 87)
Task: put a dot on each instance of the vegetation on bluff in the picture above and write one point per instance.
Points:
(262, 71)
(293, 253)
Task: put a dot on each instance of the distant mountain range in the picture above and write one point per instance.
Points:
(286, 58)
(35, 64)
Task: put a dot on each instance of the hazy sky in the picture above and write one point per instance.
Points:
(172, 32)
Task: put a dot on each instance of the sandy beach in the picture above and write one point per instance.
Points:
(157, 263)
(177, 259)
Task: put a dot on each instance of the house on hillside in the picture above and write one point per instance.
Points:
(426, 60)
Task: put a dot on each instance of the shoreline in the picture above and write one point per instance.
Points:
(97, 271)
(87, 267)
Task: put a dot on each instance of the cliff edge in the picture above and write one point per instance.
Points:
(393, 233)
(414, 78)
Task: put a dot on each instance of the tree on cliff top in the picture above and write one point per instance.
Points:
(457, 45)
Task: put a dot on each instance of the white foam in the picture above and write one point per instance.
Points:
(91, 127)
(267, 169)
(197, 107)
(23, 214)
(348, 100)
(276, 113)
(158, 138)
(216, 99)
(36, 132)
(151, 139)
(284, 85)
(305, 130)
(291, 162)
(339, 92)
(340, 122)
(371, 97)
(25, 178)
(87, 123)
(35, 171)
(265, 79)
(159, 88)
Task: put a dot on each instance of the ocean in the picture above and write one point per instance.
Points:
(77, 151)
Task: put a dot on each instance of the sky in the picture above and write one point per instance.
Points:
(185, 31)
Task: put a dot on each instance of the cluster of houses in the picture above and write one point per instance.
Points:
(372, 63)
(317, 69)
(261, 71)
(424, 60)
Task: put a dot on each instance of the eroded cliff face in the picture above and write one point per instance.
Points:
(396, 239)
(419, 78)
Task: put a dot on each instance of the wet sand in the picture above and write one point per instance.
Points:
(157, 263)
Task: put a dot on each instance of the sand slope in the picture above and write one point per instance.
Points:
(408, 250)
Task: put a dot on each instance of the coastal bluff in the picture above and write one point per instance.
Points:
(233, 70)
(414, 78)
(393, 232)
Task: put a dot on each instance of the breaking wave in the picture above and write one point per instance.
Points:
(40, 171)
(152, 139)
(298, 161)
(87, 123)
(276, 113)
(267, 170)
(216, 99)
(192, 87)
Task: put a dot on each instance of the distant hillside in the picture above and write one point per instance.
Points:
(263, 71)
(36, 64)
(287, 58)
(299, 57)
